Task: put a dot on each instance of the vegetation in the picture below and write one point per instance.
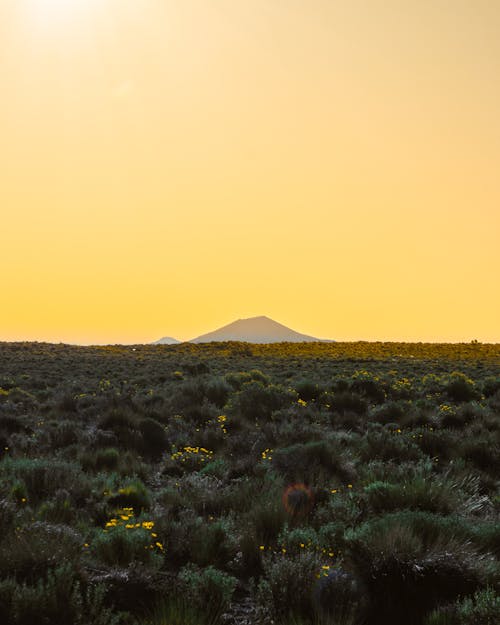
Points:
(300, 484)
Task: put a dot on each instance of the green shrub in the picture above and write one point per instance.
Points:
(369, 386)
(487, 536)
(406, 572)
(387, 446)
(390, 412)
(313, 463)
(111, 459)
(429, 495)
(337, 598)
(347, 402)
(58, 599)
(267, 519)
(491, 385)
(19, 492)
(256, 402)
(482, 452)
(217, 468)
(217, 391)
(63, 434)
(103, 460)
(214, 543)
(288, 584)
(43, 477)
(118, 418)
(7, 514)
(35, 548)
(481, 609)
(124, 424)
(236, 380)
(11, 424)
(133, 495)
(460, 388)
(120, 546)
(437, 444)
(59, 510)
(178, 611)
(207, 589)
(296, 541)
(154, 437)
(308, 390)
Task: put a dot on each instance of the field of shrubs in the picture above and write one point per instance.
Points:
(229, 483)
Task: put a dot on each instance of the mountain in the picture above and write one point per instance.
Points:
(167, 340)
(255, 330)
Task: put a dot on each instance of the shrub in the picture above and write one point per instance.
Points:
(483, 453)
(102, 460)
(337, 598)
(120, 546)
(117, 419)
(288, 584)
(312, 462)
(418, 494)
(10, 424)
(63, 434)
(307, 390)
(189, 399)
(133, 495)
(36, 548)
(132, 589)
(236, 380)
(437, 444)
(217, 468)
(295, 541)
(178, 611)
(7, 514)
(256, 402)
(111, 459)
(43, 477)
(491, 385)
(433, 384)
(18, 492)
(487, 537)
(347, 402)
(58, 598)
(217, 391)
(481, 609)
(123, 423)
(207, 589)
(460, 388)
(369, 386)
(390, 412)
(154, 437)
(386, 445)
(213, 543)
(406, 573)
(267, 519)
(59, 510)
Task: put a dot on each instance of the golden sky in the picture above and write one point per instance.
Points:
(168, 166)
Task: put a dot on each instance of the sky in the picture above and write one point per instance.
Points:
(167, 167)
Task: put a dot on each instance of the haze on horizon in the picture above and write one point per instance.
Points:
(168, 167)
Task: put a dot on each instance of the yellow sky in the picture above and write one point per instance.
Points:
(169, 166)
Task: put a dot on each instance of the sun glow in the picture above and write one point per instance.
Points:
(58, 5)
(168, 166)
(55, 10)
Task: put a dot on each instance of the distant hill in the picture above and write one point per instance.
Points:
(255, 330)
(167, 340)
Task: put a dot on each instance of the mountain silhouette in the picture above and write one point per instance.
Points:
(255, 330)
(167, 340)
